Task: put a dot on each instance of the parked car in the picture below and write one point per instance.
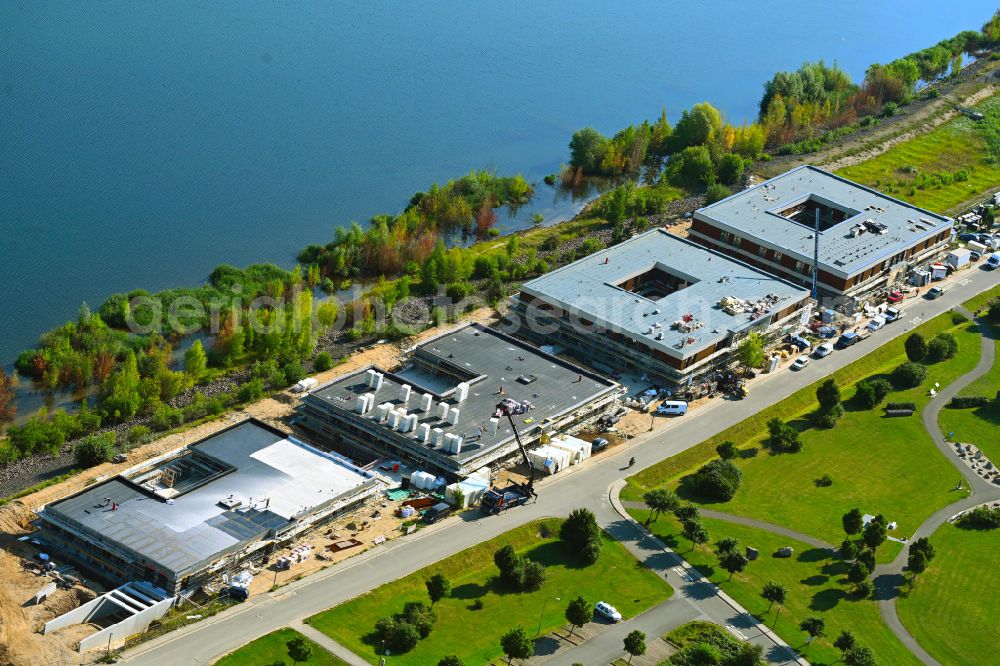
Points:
(968, 237)
(993, 260)
(934, 292)
(895, 297)
(437, 512)
(672, 408)
(892, 314)
(875, 323)
(607, 611)
(800, 362)
(975, 256)
(846, 340)
(824, 349)
(599, 444)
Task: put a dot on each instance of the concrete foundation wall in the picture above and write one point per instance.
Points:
(127, 627)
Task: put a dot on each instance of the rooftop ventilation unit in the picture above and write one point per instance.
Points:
(426, 400)
(423, 432)
(461, 392)
(404, 393)
(453, 416)
(527, 379)
(442, 410)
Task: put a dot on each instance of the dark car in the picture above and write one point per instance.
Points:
(975, 256)
(846, 340)
(599, 444)
(436, 513)
(968, 237)
(934, 292)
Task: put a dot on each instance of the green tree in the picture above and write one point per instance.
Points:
(420, 616)
(773, 593)
(511, 566)
(853, 521)
(859, 656)
(734, 562)
(323, 361)
(450, 660)
(691, 166)
(533, 576)
(923, 545)
(717, 479)
(195, 361)
(848, 549)
(750, 353)
(875, 532)
(814, 626)
(871, 392)
(299, 649)
(845, 642)
(696, 127)
(727, 450)
(916, 562)
(8, 408)
(635, 644)
(438, 587)
(587, 148)
(516, 644)
(122, 397)
(694, 532)
(916, 347)
(94, 450)
(660, 500)
(578, 613)
(687, 512)
(579, 529)
(942, 347)
(858, 573)
(828, 394)
(716, 192)
(730, 168)
(326, 314)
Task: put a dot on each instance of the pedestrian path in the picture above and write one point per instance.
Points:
(329, 644)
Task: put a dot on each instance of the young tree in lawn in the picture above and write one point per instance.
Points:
(635, 644)
(578, 613)
(814, 626)
(299, 650)
(687, 512)
(579, 528)
(828, 394)
(450, 660)
(695, 532)
(659, 501)
(916, 562)
(875, 532)
(845, 642)
(517, 645)
(860, 656)
(849, 549)
(773, 593)
(438, 587)
(727, 450)
(853, 521)
(734, 562)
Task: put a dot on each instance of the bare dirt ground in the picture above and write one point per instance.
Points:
(21, 645)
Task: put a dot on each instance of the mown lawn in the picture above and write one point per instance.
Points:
(956, 145)
(878, 464)
(272, 649)
(474, 635)
(814, 579)
(952, 607)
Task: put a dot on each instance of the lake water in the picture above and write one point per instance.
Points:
(141, 144)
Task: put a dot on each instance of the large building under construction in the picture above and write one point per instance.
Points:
(437, 411)
(182, 520)
(658, 306)
(866, 241)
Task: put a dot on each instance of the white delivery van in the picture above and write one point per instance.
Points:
(672, 408)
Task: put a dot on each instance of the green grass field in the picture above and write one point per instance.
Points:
(474, 635)
(953, 606)
(958, 144)
(877, 464)
(815, 581)
(272, 649)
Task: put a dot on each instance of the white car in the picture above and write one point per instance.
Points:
(876, 323)
(607, 611)
(800, 362)
(824, 349)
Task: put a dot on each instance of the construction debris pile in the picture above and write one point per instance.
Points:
(686, 324)
(733, 305)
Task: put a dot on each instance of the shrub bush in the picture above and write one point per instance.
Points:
(94, 450)
(941, 347)
(981, 518)
(967, 401)
(827, 418)
(824, 481)
(870, 392)
(323, 361)
(912, 406)
(717, 192)
(958, 318)
(784, 438)
(909, 375)
(719, 479)
(899, 412)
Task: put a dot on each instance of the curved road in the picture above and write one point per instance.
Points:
(583, 485)
(889, 577)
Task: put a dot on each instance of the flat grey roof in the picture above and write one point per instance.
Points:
(278, 476)
(488, 360)
(753, 213)
(587, 288)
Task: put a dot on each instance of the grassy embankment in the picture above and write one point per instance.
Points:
(816, 584)
(942, 169)
(273, 649)
(952, 608)
(475, 634)
(979, 425)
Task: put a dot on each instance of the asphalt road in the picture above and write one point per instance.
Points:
(585, 485)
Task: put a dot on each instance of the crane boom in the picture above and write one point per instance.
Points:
(504, 409)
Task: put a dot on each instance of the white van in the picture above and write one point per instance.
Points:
(672, 408)
(993, 260)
